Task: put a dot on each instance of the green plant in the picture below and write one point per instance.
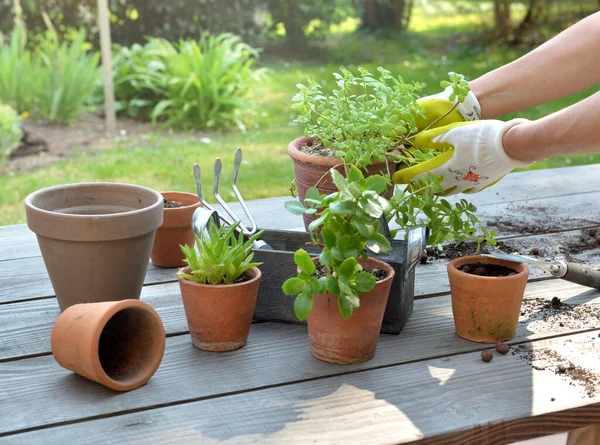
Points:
(68, 73)
(17, 71)
(10, 129)
(190, 84)
(222, 256)
(346, 228)
(369, 118)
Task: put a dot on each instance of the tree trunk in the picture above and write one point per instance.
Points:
(390, 14)
(502, 19)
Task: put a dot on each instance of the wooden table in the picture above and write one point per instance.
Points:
(425, 384)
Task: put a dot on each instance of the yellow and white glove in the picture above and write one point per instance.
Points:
(472, 158)
(439, 104)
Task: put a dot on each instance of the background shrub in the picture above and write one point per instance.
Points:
(190, 84)
(10, 129)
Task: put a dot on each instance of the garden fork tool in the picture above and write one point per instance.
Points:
(206, 212)
(576, 273)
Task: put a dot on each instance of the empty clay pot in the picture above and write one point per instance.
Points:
(176, 230)
(219, 316)
(312, 169)
(486, 309)
(335, 340)
(95, 238)
(117, 344)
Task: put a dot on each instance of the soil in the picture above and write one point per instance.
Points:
(547, 359)
(172, 204)
(318, 150)
(584, 242)
(560, 315)
(379, 274)
(487, 270)
(453, 251)
(43, 143)
(515, 226)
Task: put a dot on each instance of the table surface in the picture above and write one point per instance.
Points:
(425, 384)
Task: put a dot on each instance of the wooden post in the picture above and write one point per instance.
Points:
(109, 93)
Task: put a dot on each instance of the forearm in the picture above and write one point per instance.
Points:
(573, 130)
(564, 65)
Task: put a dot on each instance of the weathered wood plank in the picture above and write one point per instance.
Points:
(19, 242)
(275, 354)
(457, 400)
(25, 327)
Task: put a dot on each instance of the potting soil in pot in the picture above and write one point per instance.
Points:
(487, 270)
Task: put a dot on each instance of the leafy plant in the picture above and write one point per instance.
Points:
(371, 118)
(222, 256)
(10, 128)
(68, 73)
(190, 84)
(346, 227)
(54, 80)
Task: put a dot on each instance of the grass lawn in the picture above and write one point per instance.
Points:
(425, 54)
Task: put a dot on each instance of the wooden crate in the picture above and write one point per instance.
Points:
(273, 305)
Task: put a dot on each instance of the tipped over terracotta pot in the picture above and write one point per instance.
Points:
(486, 309)
(117, 344)
(175, 231)
(95, 238)
(336, 340)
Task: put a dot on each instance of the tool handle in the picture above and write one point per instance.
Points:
(584, 275)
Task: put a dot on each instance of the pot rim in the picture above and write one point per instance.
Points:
(186, 282)
(138, 380)
(183, 207)
(453, 267)
(74, 216)
(297, 155)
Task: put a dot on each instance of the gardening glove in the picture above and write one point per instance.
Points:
(472, 158)
(438, 104)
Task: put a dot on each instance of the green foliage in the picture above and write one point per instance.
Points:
(191, 84)
(53, 81)
(222, 256)
(346, 228)
(10, 128)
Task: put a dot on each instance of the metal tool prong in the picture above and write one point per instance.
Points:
(238, 195)
(217, 169)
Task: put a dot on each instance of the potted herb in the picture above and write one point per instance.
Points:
(486, 297)
(176, 229)
(219, 288)
(370, 121)
(343, 293)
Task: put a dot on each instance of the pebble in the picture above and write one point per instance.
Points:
(487, 356)
(552, 399)
(564, 367)
(535, 251)
(598, 239)
(593, 232)
(502, 348)
(424, 258)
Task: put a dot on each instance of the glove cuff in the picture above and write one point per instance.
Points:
(469, 109)
(498, 143)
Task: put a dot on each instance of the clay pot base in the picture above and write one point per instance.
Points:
(218, 346)
(126, 346)
(331, 357)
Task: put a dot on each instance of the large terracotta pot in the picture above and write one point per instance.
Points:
(117, 344)
(219, 316)
(311, 169)
(335, 340)
(95, 238)
(486, 309)
(176, 230)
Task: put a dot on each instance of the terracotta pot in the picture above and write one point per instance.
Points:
(117, 344)
(335, 340)
(95, 238)
(219, 316)
(309, 169)
(486, 309)
(176, 230)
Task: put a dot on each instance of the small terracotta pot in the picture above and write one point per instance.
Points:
(176, 230)
(335, 340)
(309, 169)
(117, 344)
(486, 309)
(95, 238)
(219, 316)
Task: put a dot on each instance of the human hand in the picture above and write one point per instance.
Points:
(437, 105)
(472, 158)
